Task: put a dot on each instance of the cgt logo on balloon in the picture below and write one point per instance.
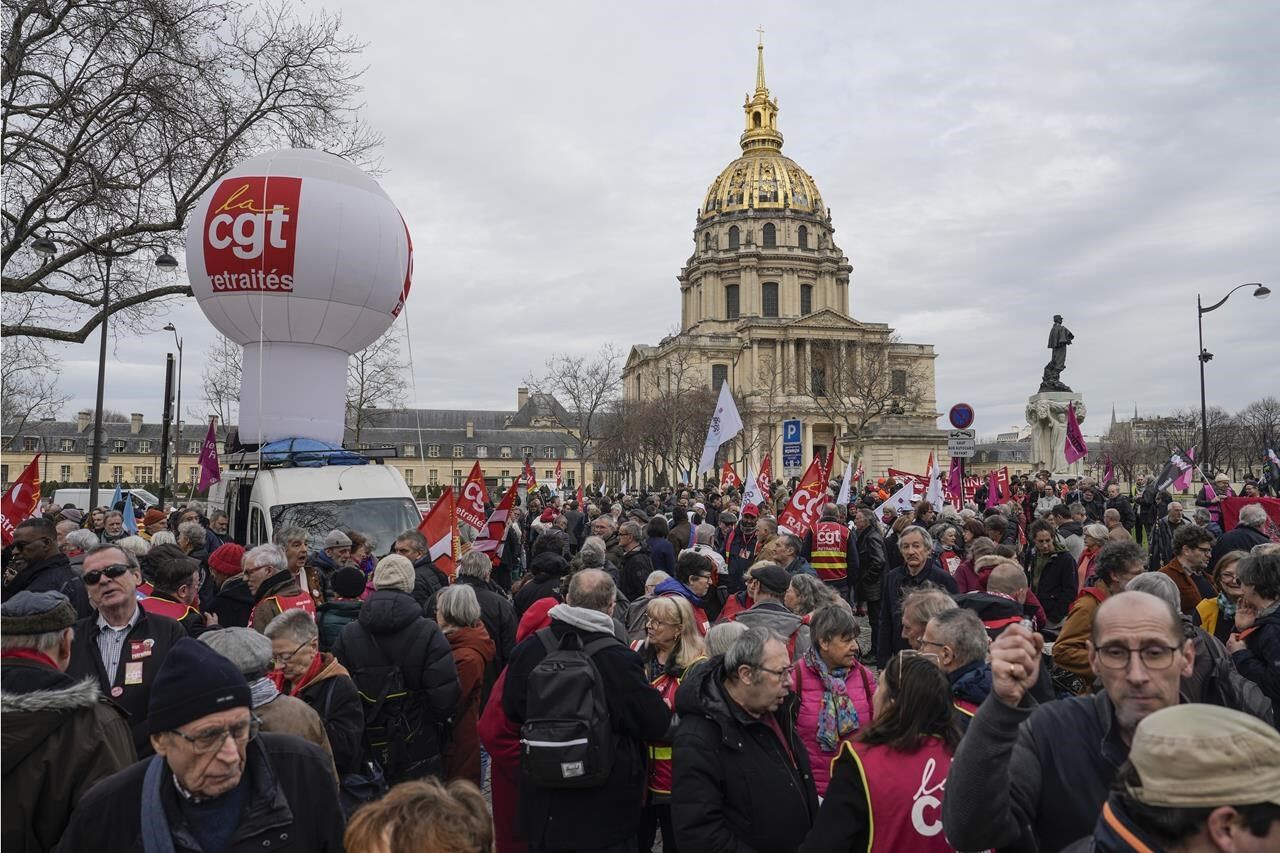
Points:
(250, 233)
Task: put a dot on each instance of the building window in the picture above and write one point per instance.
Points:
(818, 377)
(802, 237)
(457, 451)
(433, 476)
(433, 451)
(733, 237)
(731, 301)
(719, 376)
(482, 451)
(706, 242)
(806, 299)
(30, 443)
(770, 236)
(192, 446)
(193, 473)
(570, 453)
(411, 450)
(408, 476)
(117, 473)
(898, 384)
(769, 299)
(65, 475)
(144, 446)
(457, 479)
(548, 453)
(504, 452)
(143, 474)
(548, 476)
(526, 450)
(67, 445)
(505, 475)
(569, 480)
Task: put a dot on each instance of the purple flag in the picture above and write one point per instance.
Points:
(955, 486)
(993, 490)
(210, 472)
(1074, 449)
(1184, 480)
(1109, 474)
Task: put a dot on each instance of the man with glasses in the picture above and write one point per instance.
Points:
(1192, 547)
(1028, 774)
(215, 782)
(274, 588)
(741, 776)
(36, 564)
(122, 646)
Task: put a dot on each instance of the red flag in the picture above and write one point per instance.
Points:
(1002, 477)
(1074, 449)
(470, 509)
(440, 526)
(955, 484)
(805, 506)
(993, 489)
(582, 504)
(729, 477)
(857, 475)
(765, 478)
(529, 481)
(1231, 514)
(826, 466)
(558, 478)
(490, 541)
(20, 500)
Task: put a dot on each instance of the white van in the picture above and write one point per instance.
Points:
(142, 499)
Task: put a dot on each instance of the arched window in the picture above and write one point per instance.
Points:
(770, 236)
(802, 237)
(706, 242)
(755, 118)
(769, 299)
(731, 301)
(719, 376)
(806, 299)
(733, 236)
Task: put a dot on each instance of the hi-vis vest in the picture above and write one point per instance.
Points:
(830, 551)
(164, 607)
(904, 793)
(660, 767)
(301, 601)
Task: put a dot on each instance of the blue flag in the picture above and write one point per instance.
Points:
(130, 520)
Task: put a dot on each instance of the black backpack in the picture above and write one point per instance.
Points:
(566, 740)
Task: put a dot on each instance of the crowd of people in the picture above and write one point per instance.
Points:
(1071, 668)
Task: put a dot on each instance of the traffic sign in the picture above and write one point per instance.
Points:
(792, 447)
(961, 443)
(961, 416)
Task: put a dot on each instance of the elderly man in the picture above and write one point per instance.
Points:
(113, 526)
(175, 588)
(872, 565)
(606, 528)
(740, 548)
(321, 565)
(636, 564)
(767, 588)
(741, 777)
(1211, 498)
(1191, 549)
(1121, 504)
(789, 550)
(1161, 549)
(1111, 519)
(1038, 774)
(215, 783)
(427, 579)
(37, 565)
(121, 646)
(919, 567)
(959, 640)
(51, 723)
(1247, 533)
(274, 588)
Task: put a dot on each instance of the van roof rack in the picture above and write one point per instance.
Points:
(247, 456)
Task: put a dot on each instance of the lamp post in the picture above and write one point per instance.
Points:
(46, 247)
(1260, 292)
(177, 441)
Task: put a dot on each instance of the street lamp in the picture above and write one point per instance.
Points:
(46, 247)
(177, 441)
(1260, 292)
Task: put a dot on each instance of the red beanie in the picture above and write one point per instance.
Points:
(536, 617)
(225, 560)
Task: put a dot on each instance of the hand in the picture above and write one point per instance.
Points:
(1015, 663)
(1235, 644)
(211, 619)
(1246, 616)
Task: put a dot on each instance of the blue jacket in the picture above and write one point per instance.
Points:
(662, 555)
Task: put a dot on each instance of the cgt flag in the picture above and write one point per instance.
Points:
(20, 500)
(725, 424)
(470, 506)
(559, 476)
(933, 492)
(1074, 449)
(729, 477)
(527, 477)
(210, 472)
(440, 527)
(806, 503)
(490, 541)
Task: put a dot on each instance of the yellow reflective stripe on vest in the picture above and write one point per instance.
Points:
(660, 753)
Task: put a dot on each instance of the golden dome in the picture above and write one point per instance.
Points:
(761, 179)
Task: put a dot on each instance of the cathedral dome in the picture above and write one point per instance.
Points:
(762, 179)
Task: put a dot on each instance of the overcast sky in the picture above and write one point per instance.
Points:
(988, 164)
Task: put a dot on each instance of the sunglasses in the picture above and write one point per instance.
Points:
(92, 578)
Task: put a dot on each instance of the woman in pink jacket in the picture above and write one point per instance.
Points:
(835, 690)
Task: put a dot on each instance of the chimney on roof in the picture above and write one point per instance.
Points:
(135, 423)
(522, 397)
(471, 429)
(82, 419)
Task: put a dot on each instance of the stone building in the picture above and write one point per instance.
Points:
(764, 306)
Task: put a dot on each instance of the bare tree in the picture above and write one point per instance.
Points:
(118, 114)
(587, 389)
(28, 385)
(223, 363)
(1260, 422)
(375, 379)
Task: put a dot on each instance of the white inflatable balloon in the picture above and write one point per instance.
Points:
(301, 258)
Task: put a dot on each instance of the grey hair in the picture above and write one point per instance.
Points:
(1158, 584)
(1077, 508)
(1111, 512)
(632, 529)
(591, 589)
(722, 636)
(963, 631)
(925, 603)
(266, 555)
(1181, 508)
(457, 606)
(192, 531)
(475, 564)
(285, 535)
(812, 593)
(656, 577)
(748, 650)
(592, 552)
(831, 622)
(1252, 515)
(163, 537)
(47, 642)
(194, 505)
(83, 540)
(294, 624)
(794, 543)
(917, 530)
(114, 513)
(605, 518)
(135, 545)
(66, 524)
(1202, 516)
(705, 534)
(1097, 532)
(416, 541)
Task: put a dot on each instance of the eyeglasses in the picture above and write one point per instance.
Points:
(785, 672)
(650, 621)
(1228, 577)
(1153, 656)
(288, 656)
(700, 578)
(91, 578)
(925, 642)
(206, 742)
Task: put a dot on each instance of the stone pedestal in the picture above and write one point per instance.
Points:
(1047, 416)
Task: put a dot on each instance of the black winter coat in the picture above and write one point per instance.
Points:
(148, 642)
(291, 804)
(546, 569)
(633, 572)
(1121, 504)
(427, 580)
(334, 697)
(53, 574)
(392, 629)
(587, 818)
(1260, 661)
(735, 786)
(1237, 539)
(873, 564)
(233, 604)
(897, 585)
(1058, 585)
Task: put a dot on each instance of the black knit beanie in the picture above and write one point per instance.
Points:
(193, 682)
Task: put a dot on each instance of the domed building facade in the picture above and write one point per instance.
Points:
(764, 306)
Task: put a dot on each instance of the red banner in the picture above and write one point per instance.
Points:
(490, 541)
(470, 510)
(805, 507)
(440, 526)
(1231, 514)
(558, 475)
(729, 477)
(20, 500)
(529, 481)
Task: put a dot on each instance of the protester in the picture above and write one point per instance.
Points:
(1045, 769)
(835, 690)
(768, 585)
(637, 611)
(175, 592)
(661, 554)
(458, 614)
(233, 605)
(61, 736)
(547, 569)
(459, 820)
(692, 583)
(274, 588)
(888, 783)
(1255, 648)
(1210, 497)
(1246, 534)
(295, 542)
(37, 565)
(918, 608)
(1116, 565)
(347, 589)
(740, 548)
(742, 779)
(872, 567)
(427, 579)
(1095, 538)
(958, 641)
(722, 636)
(636, 564)
(1192, 546)
(215, 782)
(321, 564)
(806, 593)
(1218, 615)
(919, 568)
(1052, 573)
(475, 570)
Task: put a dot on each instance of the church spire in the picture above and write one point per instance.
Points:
(761, 133)
(760, 86)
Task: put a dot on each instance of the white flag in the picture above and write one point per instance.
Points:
(933, 492)
(847, 485)
(901, 501)
(725, 424)
(751, 494)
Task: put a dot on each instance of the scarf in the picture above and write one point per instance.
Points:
(837, 717)
(263, 691)
(583, 619)
(1226, 608)
(317, 664)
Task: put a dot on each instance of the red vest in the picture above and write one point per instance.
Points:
(660, 751)
(165, 607)
(830, 557)
(700, 620)
(301, 601)
(904, 795)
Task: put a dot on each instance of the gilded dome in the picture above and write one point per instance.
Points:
(761, 179)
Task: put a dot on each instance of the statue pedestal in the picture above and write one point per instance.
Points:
(1047, 416)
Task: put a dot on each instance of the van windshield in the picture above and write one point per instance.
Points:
(380, 519)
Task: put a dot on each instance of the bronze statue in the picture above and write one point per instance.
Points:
(1060, 338)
